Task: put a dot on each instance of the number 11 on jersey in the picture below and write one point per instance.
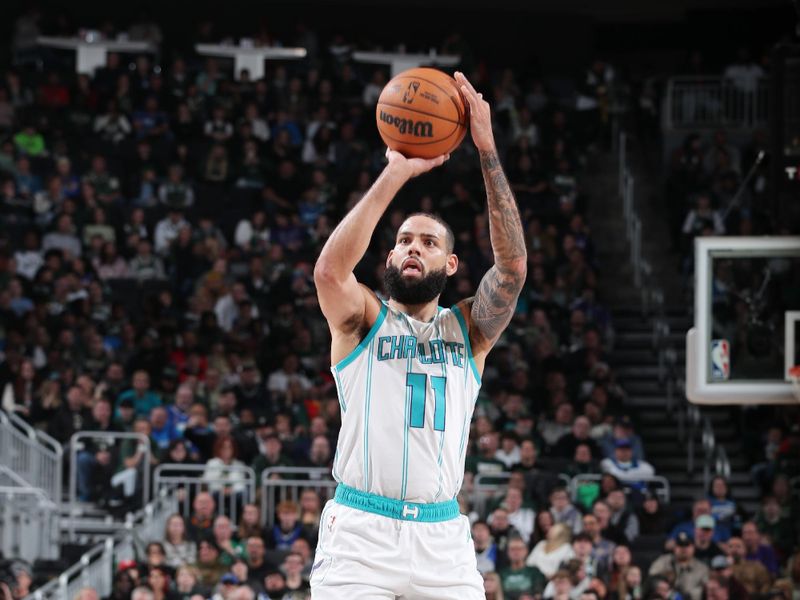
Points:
(418, 382)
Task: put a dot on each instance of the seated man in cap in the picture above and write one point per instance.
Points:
(623, 430)
(705, 548)
(689, 574)
(700, 507)
(625, 467)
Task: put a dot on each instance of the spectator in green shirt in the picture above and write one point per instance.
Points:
(30, 142)
(518, 578)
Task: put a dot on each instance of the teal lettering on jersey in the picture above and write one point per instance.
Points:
(391, 347)
(397, 347)
(456, 353)
(410, 349)
(401, 347)
(437, 352)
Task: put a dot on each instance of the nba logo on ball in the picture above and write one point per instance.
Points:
(720, 360)
(411, 91)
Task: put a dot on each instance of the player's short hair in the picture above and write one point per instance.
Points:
(450, 241)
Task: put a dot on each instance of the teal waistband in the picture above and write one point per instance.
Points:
(396, 509)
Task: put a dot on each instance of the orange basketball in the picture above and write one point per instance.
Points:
(421, 113)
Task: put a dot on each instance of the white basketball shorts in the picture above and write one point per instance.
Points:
(366, 556)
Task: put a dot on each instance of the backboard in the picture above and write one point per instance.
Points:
(746, 320)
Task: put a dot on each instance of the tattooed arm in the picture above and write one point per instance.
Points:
(499, 289)
(493, 306)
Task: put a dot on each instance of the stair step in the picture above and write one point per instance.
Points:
(686, 493)
(664, 463)
(659, 435)
(637, 357)
(654, 402)
(641, 372)
(636, 322)
(633, 310)
(661, 448)
(743, 493)
(645, 387)
(678, 460)
(644, 339)
(658, 423)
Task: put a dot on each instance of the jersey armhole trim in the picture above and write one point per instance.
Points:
(463, 324)
(365, 342)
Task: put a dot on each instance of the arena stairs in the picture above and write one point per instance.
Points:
(634, 357)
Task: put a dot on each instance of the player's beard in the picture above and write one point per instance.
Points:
(413, 292)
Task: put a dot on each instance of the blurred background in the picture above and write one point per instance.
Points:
(168, 175)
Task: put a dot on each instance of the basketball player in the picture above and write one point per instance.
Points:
(407, 373)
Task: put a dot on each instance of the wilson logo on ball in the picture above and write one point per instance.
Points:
(409, 126)
(411, 91)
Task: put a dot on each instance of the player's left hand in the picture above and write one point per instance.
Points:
(480, 114)
(412, 167)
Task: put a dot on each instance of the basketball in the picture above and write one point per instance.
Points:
(421, 113)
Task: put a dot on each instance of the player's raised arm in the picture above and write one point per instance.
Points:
(342, 299)
(494, 303)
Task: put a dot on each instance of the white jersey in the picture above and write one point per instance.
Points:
(407, 393)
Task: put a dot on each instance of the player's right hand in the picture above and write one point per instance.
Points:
(411, 167)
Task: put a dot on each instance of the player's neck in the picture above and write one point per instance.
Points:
(420, 312)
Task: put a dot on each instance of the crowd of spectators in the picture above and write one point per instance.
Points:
(159, 230)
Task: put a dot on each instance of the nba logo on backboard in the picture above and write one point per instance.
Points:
(720, 360)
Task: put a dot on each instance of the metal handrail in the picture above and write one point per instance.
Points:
(33, 454)
(16, 480)
(482, 492)
(722, 465)
(162, 479)
(662, 488)
(29, 523)
(623, 141)
(54, 446)
(95, 567)
(697, 102)
(75, 445)
(312, 477)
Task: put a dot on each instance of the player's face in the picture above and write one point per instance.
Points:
(418, 266)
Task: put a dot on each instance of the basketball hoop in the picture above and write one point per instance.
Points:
(794, 374)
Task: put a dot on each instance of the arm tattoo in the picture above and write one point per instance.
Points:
(497, 294)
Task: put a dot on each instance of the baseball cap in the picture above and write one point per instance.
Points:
(230, 578)
(719, 562)
(683, 539)
(704, 522)
(622, 443)
(124, 565)
(20, 566)
(624, 421)
(126, 403)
